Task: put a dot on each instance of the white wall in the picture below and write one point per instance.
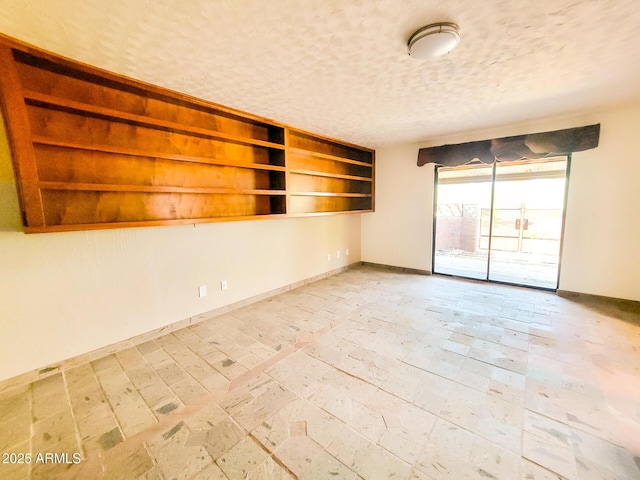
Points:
(64, 294)
(399, 232)
(602, 232)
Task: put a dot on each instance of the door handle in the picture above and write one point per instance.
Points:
(525, 225)
(517, 227)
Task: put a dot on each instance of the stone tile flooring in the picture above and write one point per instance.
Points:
(369, 374)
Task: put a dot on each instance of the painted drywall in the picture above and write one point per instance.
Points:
(600, 253)
(399, 232)
(64, 294)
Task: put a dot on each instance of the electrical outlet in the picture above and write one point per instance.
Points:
(223, 285)
(202, 291)
(346, 252)
(328, 257)
(338, 254)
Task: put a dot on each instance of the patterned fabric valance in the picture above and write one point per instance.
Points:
(534, 145)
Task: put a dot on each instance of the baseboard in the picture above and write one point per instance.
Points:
(393, 268)
(628, 305)
(52, 369)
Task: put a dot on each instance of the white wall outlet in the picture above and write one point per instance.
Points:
(328, 257)
(346, 252)
(223, 285)
(338, 254)
(202, 291)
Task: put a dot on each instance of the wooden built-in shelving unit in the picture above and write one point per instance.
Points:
(93, 149)
(328, 176)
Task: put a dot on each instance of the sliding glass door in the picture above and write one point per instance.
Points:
(464, 193)
(501, 222)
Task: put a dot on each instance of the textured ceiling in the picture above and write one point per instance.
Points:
(340, 67)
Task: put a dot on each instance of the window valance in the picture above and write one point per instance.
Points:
(531, 146)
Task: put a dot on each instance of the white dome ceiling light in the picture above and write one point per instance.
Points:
(434, 40)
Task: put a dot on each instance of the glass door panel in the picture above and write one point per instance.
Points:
(527, 222)
(463, 203)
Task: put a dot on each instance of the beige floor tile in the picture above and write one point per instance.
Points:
(221, 437)
(491, 461)
(547, 429)
(124, 463)
(49, 397)
(15, 467)
(500, 355)
(475, 374)
(177, 458)
(367, 459)
(130, 358)
(323, 427)
(188, 390)
(533, 471)
(298, 453)
(14, 431)
(55, 433)
(271, 433)
(15, 403)
(150, 386)
(242, 459)
(229, 368)
(330, 399)
(98, 419)
(550, 454)
(171, 373)
(598, 454)
(270, 470)
(132, 412)
(327, 466)
(210, 472)
(264, 406)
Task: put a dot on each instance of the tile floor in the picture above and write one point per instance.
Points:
(369, 374)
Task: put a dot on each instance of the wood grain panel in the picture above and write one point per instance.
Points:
(321, 145)
(314, 204)
(72, 127)
(325, 165)
(57, 164)
(312, 183)
(86, 207)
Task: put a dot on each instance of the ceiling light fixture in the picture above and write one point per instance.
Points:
(434, 40)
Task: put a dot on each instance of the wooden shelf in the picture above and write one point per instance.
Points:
(98, 187)
(330, 175)
(326, 176)
(94, 150)
(37, 140)
(148, 223)
(330, 194)
(302, 151)
(39, 99)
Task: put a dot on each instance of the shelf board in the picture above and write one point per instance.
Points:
(329, 175)
(150, 154)
(97, 187)
(124, 117)
(325, 156)
(324, 214)
(147, 223)
(331, 194)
